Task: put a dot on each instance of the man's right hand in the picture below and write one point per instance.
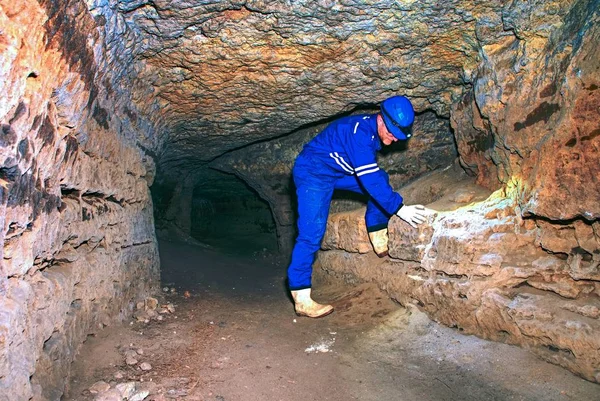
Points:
(414, 214)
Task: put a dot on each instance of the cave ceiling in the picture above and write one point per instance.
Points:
(219, 75)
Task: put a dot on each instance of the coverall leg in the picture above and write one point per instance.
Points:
(314, 196)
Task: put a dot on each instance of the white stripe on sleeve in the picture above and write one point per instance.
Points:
(367, 171)
(366, 166)
(340, 161)
(356, 127)
(343, 162)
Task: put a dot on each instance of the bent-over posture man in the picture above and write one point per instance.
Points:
(343, 156)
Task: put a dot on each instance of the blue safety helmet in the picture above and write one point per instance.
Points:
(398, 115)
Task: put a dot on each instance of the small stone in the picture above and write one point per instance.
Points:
(176, 393)
(99, 387)
(151, 303)
(130, 353)
(171, 308)
(145, 366)
(139, 396)
(165, 289)
(163, 311)
(159, 317)
(151, 313)
(139, 351)
(173, 290)
(118, 375)
(140, 305)
(131, 361)
(140, 315)
(126, 389)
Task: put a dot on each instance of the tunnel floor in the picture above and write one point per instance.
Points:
(234, 336)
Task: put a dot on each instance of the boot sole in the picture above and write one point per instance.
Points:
(315, 317)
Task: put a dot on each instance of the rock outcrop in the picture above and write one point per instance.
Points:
(481, 268)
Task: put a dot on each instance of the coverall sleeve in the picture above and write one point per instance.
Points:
(362, 154)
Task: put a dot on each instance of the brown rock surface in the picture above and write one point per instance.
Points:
(480, 268)
(76, 216)
(533, 111)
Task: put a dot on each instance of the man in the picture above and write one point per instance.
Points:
(343, 156)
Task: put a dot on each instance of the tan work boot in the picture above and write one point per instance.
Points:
(379, 240)
(305, 306)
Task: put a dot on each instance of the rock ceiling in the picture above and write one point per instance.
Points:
(218, 75)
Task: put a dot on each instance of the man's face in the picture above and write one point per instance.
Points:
(386, 137)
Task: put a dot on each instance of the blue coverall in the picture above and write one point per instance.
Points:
(342, 156)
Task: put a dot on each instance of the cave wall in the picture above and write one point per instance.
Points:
(479, 267)
(531, 116)
(522, 267)
(78, 244)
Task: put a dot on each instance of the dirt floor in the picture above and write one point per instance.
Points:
(233, 336)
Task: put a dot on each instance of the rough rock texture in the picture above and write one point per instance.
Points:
(260, 69)
(266, 166)
(481, 268)
(531, 117)
(77, 235)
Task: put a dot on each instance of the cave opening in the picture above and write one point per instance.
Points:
(229, 215)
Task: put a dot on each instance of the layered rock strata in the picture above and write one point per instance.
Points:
(78, 242)
(480, 268)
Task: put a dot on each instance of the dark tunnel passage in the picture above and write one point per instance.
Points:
(239, 220)
(224, 212)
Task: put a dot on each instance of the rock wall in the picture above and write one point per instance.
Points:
(78, 242)
(531, 116)
(480, 268)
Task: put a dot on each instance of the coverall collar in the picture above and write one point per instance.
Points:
(373, 126)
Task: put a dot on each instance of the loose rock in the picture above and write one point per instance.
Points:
(99, 387)
(126, 389)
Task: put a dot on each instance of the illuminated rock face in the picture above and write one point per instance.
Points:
(95, 93)
(483, 269)
(533, 113)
